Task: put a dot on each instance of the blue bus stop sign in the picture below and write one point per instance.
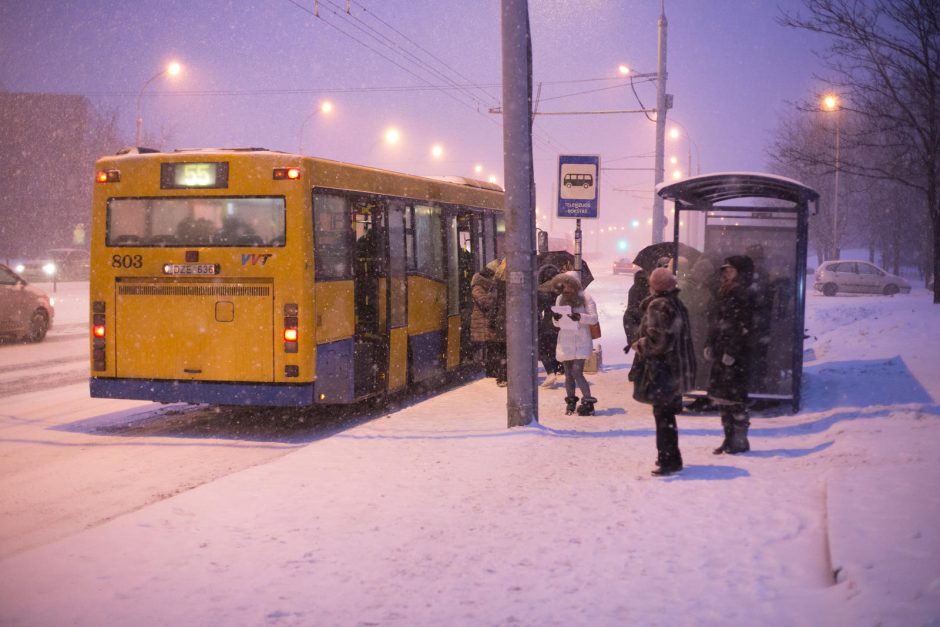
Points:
(578, 185)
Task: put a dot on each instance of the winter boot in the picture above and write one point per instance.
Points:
(739, 427)
(587, 406)
(726, 421)
(667, 464)
(572, 402)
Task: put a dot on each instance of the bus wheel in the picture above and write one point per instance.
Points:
(830, 289)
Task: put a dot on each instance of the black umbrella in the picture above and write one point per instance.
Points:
(555, 259)
(649, 257)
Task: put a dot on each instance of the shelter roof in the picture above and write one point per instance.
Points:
(709, 189)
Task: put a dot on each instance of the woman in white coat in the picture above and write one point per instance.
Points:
(574, 340)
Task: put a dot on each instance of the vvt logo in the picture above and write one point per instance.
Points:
(256, 259)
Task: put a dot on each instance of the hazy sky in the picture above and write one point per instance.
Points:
(255, 70)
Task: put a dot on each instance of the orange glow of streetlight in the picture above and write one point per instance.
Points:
(326, 107)
(392, 136)
(174, 68)
(830, 102)
(437, 151)
(478, 169)
(623, 69)
(674, 133)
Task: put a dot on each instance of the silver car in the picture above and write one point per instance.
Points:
(857, 277)
(25, 311)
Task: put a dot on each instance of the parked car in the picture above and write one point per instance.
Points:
(625, 266)
(59, 264)
(25, 310)
(837, 276)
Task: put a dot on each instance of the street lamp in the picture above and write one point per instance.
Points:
(326, 107)
(172, 69)
(830, 102)
(392, 136)
(675, 133)
(437, 151)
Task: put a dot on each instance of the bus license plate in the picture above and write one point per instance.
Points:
(192, 268)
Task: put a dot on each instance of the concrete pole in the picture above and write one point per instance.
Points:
(521, 337)
(659, 168)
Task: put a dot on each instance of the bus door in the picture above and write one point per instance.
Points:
(468, 259)
(370, 269)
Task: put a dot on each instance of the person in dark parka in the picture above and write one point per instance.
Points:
(728, 350)
(665, 346)
(632, 315)
(483, 320)
(547, 331)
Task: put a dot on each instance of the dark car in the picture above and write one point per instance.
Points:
(25, 310)
(59, 264)
(625, 266)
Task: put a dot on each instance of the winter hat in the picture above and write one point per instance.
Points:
(662, 280)
(567, 279)
(743, 264)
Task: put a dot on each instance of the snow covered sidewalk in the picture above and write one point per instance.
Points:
(438, 514)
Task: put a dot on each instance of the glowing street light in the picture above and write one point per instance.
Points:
(437, 151)
(478, 169)
(830, 102)
(623, 69)
(325, 108)
(172, 69)
(392, 136)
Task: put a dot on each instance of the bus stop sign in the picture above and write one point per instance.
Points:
(578, 183)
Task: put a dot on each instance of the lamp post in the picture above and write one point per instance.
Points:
(674, 133)
(326, 107)
(831, 103)
(172, 69)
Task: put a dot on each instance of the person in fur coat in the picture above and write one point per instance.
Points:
(665, 347)
(574, 342)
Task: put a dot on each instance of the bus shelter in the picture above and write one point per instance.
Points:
(765, 217)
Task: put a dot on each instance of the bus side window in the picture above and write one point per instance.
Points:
(332, 237)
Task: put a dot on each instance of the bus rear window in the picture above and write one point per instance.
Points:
(197, 221)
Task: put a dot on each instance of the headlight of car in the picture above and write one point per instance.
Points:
(19, 268)
(49, 268)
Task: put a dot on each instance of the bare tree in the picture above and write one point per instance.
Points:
(885, 58)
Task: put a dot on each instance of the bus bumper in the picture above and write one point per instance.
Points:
(204, 392)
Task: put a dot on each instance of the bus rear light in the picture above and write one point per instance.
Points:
(281, 174)
(108, 176)
(98, 361)
(97, 325)
(291, 323)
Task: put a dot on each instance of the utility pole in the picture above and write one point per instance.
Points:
(521, 339)
(661, 106)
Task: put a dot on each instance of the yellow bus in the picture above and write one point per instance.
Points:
(255, 277)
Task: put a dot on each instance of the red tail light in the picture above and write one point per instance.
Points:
(98, 333)
(291, 332)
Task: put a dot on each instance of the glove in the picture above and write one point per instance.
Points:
(556, 316)
(727, 359)
(708, 353)
(626, 349)
(575, 316)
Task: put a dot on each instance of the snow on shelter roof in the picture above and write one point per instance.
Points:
(709, 189)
